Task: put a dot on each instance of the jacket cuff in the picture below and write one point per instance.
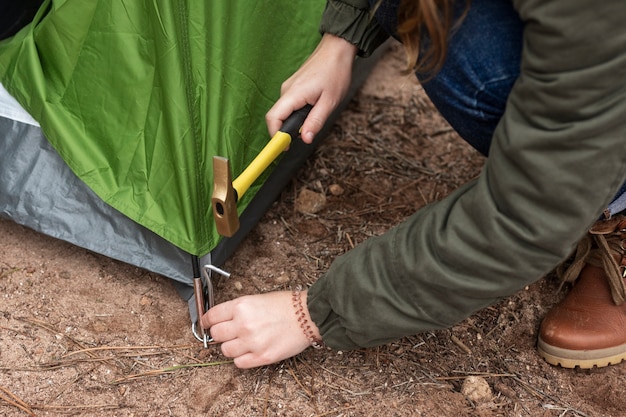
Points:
(328, 322)
(357, 26)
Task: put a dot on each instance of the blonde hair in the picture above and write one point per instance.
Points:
(434, 19)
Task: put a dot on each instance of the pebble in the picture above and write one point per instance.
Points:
(310, 202)
(282, 279)
(476, 389)
(336, 189)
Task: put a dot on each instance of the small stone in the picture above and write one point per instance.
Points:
(282, 279)
(238, 285)
(145, 301)
(100, 326)
(310, 202)
(336, 189)
(476, 389)
(505, 390)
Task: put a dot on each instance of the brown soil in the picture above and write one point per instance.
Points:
(82, 334)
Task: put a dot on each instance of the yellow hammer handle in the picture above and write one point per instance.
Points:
(268, 154)
(279, 142)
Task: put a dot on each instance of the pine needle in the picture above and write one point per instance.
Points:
(168, 370)
(15, 401)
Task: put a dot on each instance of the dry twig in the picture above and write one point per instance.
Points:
(76, 408)
(15, 401)
(168, 370)
(130, 348)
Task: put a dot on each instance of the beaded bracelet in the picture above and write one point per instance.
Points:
(304, 323)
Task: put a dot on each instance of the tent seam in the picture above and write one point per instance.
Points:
(193, 116)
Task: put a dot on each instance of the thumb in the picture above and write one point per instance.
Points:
(315, 121)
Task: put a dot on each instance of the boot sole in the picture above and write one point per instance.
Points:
(585, 359)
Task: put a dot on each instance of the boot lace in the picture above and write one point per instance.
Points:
(603, 247)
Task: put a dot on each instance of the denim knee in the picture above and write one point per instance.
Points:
(481, 66)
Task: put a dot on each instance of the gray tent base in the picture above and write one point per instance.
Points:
(39, 191)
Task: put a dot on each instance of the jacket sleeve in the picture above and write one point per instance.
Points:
(558, 156)
(353, 21)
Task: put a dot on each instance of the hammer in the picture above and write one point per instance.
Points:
(226, 192)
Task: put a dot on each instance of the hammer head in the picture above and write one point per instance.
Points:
(224, 199)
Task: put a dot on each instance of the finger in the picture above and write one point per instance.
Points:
(223, 331)
(281, 110)
(217, 314)
(252, 360)
(234, 348)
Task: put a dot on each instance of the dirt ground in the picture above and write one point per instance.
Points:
(84, 335)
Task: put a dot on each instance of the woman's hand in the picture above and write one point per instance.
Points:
(322, 81)
(259, 330)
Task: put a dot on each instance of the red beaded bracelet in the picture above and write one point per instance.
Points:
(304, 323)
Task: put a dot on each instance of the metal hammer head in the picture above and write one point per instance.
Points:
(224, 199)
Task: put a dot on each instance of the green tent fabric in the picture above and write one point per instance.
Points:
(137, 96)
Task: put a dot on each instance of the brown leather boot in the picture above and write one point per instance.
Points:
(588, 327)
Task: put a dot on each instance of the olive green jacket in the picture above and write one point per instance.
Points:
(556, 160)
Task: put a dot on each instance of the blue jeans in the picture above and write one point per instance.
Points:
(482, 64)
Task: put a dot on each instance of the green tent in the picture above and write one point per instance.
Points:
(136, 96)
(132, 101)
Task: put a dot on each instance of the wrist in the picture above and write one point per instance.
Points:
(338, 46)
(308, 327)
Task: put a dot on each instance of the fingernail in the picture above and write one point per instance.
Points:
(308, 137)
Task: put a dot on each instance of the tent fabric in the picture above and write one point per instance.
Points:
(11, 109)
(136, 97)
(39, 191)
